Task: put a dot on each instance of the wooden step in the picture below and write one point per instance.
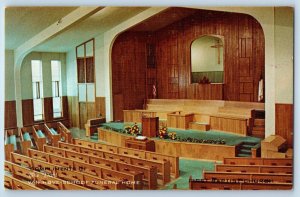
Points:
(259, 122)
(258, 133)
(258, 128)
(199, 126)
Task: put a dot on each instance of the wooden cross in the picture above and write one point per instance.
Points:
(218, 46)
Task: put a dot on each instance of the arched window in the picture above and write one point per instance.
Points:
(207, 60)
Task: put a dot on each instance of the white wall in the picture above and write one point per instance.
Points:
(284, 55)
(9, 76)
(99, 66)
(71, 67)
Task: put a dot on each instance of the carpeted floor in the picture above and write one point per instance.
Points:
(189, 168)
(230, 139)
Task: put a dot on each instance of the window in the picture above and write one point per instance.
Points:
(207, 59)
(56, 88)
(37, 89)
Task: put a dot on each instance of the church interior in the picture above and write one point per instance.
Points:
(149, 98)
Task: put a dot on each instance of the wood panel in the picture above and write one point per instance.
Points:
(284, 121)
(82, 115)
(243, 61)
(27, 112)
(91, 112)
(180, 149)
(10, 115)
(229, 124)
(65, 107)
(48, 109)
(129, 65)
(73, 111)
(100, 107)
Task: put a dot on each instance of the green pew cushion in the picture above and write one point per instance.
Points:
(26, 136)
(13, 140)
(53, 131)
(40, 134)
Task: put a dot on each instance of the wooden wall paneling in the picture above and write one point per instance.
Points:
(100, 107)
(27, 112)
(284, 122)
(91, 110)
(48, 109)
(83, 116)
(258, 59)
(65, 107)
(130, 50)
(243, 59)
(73, 108)
(10, 115)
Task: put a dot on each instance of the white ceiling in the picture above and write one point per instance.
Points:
(22, 23)
(37, 20)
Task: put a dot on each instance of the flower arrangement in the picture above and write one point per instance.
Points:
(172, 136)
(133, 130)
(163, 133)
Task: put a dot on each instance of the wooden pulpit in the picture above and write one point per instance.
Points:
(150, 126)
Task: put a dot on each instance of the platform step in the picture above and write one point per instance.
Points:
(201, 126)
(249, 143)
(259, 122)
(94, 137)
(247, 146)
(245, 151)
(258, 128)
(243, 155)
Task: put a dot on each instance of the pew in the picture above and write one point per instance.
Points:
(51, 134)
(25, 138)
(174, 161)
(149, 173)
(92, 125)
(271, 177)
(10, 142)
(62, 172)
(39, 136)
(40, 180)
(163, 167)
(258, 161)
(15, 184)
(253, 168)
(62, 130)
(215, 185)
(134, 177)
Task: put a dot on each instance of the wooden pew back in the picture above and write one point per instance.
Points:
(259, 161)
(254, 168)
(163, 167)
(267, 177)
(148, 155)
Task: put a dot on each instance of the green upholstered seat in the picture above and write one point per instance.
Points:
(26, 136)
(40, 134)
(13, 140)
(53, 131)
